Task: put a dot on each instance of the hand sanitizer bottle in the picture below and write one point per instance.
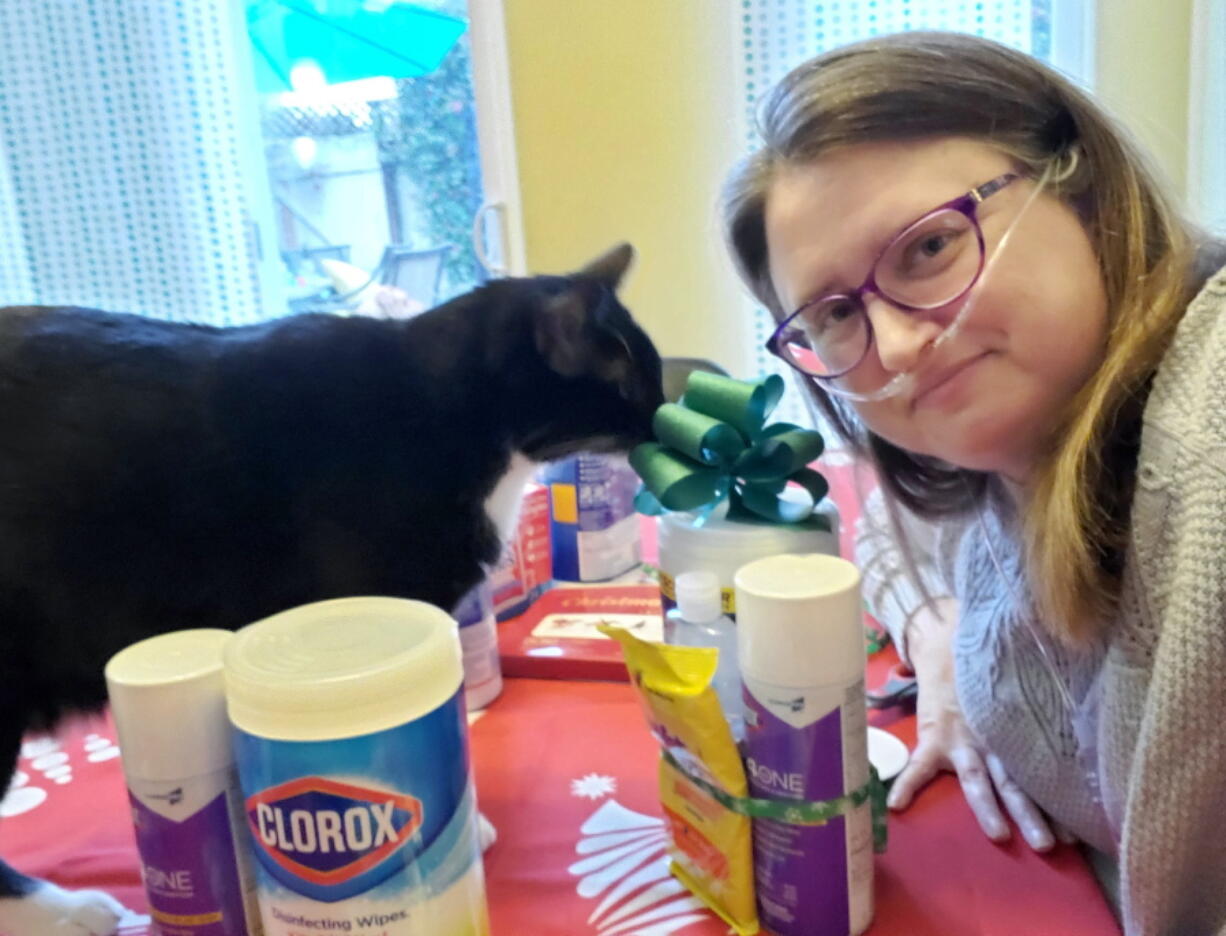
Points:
(800, 624)
(699, 621)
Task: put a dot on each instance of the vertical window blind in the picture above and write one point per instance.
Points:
(121, 178)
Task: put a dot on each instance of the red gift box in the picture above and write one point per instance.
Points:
(556, 638)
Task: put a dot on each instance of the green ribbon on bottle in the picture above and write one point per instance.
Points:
(715, 445)
(802, 812)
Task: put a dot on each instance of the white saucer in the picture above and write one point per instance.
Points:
(886, 753)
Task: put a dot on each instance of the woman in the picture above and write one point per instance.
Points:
(993, 301)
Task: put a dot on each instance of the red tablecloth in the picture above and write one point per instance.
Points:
(566, 772)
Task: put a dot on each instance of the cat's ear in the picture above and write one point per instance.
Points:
(611, 266)
(565, 335)
(560, 331)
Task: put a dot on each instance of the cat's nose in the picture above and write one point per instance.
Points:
(657, 396)
(655, 392)
(645, 430)
(643, 393)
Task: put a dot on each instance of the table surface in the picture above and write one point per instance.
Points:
(566, 772)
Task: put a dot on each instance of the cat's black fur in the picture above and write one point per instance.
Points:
(157, 476)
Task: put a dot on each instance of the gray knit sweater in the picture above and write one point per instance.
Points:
(1137, 765)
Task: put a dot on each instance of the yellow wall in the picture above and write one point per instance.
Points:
(1141, 74)
(624, 122)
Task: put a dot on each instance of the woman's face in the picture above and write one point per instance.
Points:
(1034, 335)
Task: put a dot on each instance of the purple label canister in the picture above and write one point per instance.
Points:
(168, 699)
(801, 649)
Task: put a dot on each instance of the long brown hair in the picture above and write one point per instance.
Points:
(925, 85)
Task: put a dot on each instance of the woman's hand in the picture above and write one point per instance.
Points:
(945, 742)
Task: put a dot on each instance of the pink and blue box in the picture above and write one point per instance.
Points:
(594, 526)
(578, 526)
(526, 569)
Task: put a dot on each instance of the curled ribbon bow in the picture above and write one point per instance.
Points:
(715, 445)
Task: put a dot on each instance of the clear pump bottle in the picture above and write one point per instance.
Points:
(699, 621)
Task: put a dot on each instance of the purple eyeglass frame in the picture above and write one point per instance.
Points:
(964, 204)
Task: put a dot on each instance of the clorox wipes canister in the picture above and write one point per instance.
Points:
(352, 750)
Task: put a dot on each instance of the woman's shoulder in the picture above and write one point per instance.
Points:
(1178, 513)
(1188, 399)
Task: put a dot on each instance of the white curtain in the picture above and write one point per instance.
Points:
(122, 181)
(16, 287)
(1207, 116)
(777, 35)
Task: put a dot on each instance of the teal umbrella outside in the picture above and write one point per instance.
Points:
(349, 39)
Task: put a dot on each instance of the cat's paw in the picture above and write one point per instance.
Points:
(53, 911)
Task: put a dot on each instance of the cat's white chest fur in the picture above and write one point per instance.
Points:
(502, 506)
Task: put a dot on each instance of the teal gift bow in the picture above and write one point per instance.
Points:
(715, 445)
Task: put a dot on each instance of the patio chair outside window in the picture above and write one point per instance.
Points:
(416, 271)
(303, 258)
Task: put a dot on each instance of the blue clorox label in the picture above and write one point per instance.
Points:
(339, 836)
(376, 827)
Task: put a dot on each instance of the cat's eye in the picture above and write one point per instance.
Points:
(621, 340)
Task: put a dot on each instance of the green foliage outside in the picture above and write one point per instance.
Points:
(429, 134)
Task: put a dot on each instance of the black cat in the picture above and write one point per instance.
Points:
(157, 476)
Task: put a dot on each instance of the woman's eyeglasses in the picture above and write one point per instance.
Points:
(930, 263)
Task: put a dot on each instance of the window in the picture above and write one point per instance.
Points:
(1207, 117)
(375, 178)
(159, 158)
(122, 184)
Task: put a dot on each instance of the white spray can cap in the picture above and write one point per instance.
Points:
(168, 700)
(698, 596)
(800, 621)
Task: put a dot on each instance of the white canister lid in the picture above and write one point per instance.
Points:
(168, 701)
(342, 668)
(800, 621)
(716, 537)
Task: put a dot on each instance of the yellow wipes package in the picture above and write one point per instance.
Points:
(710, 845)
